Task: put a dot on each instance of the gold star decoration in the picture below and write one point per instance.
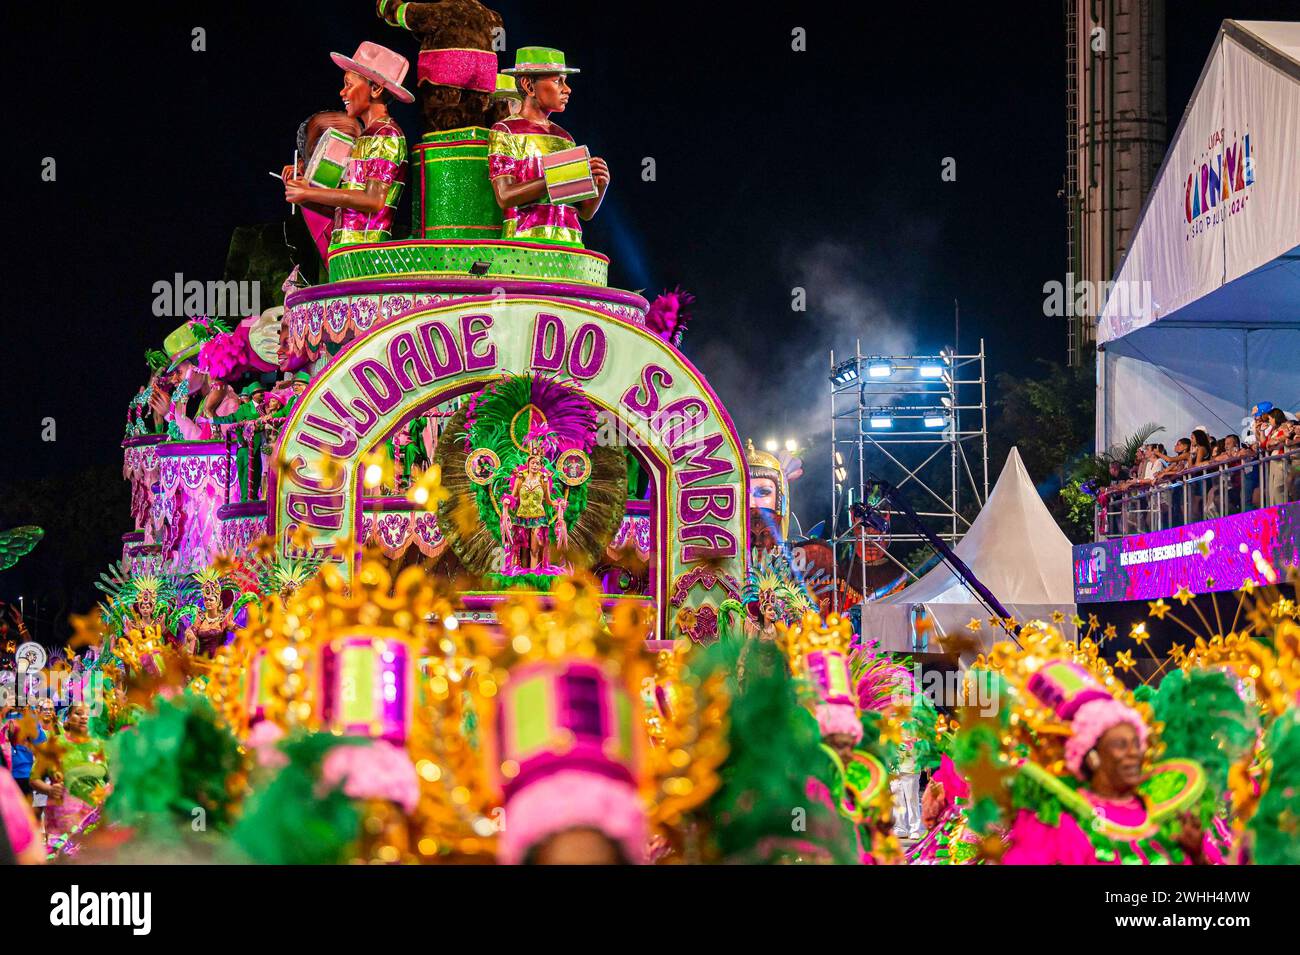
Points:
(1158, 608)
(1139, 633)
(427, 491)
(1178, 651)
(1209, 583)
(302, 538)
(975, 623)
(1058, 616)
(1183, 595)
(1248, 585)
(377, 469)
(1110, 633)
(1125, 661)
(1093, 621)
(1077, 620)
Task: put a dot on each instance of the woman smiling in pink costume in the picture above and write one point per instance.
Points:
(1108, 811)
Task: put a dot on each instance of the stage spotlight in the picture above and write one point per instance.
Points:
(845, 372)
(880, 369)
(791, 445)
(841, 474)
(947, 402)
(931, 369)
(934, 421)
(839, 459)
(771, 444)
(880, 422)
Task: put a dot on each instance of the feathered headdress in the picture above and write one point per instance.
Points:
(274, 574)
(771, 578)
(878, 678)
(125, 581)
(513, 409)
(818, 654)
(667, 316)
(553, 765)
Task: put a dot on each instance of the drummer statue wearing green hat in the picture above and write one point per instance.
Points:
(518, 146)
(507, 99)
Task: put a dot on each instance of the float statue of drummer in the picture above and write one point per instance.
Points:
(543, 181)
(365, 201)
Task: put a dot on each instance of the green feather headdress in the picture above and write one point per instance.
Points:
(290, 821)
(1205, 720)
(774, 751)
(176, 760)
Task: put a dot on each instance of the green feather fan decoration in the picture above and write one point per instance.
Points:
(173, 761)
(1206, 721)
(774, 751)
(1276, 823)
(291, 821)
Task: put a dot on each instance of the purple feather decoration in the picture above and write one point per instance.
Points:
(570, 417)
(668, 317)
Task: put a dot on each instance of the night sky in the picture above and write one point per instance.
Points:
(775, 169)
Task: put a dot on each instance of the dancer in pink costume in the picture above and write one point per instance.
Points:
(1105, 815)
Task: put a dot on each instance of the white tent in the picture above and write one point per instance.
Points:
(1014, 548)
(1202, 321)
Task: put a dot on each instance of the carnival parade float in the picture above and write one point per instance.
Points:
(454, 557)
(470, 422)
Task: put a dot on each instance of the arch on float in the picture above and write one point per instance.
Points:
(660, 402)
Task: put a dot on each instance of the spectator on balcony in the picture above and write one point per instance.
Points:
(1279, 435)
(1172, 503)
(1222, 494)
(1255, 447)
(1202, 450)
(1148, 462)
(1176, 463)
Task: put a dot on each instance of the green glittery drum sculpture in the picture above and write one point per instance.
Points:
(452, 197)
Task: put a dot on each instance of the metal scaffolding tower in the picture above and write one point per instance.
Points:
(891, 416)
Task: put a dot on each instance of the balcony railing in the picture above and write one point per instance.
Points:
(1201, 493)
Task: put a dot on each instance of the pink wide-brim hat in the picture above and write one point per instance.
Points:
(574, 799)
(380, 65)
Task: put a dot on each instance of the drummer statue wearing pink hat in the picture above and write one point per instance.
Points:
(365, 201)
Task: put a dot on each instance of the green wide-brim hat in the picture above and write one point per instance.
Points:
(181, 345)
(252, 389)
(507, 88)
(535, 60)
